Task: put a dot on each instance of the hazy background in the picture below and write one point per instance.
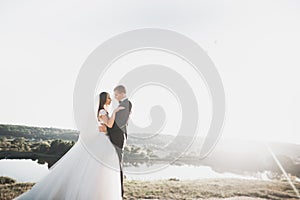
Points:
(254, 45)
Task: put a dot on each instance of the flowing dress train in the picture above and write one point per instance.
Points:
(80, 174)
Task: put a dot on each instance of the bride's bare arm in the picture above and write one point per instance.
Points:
(109, 121)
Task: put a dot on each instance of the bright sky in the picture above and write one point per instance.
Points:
(255, 46)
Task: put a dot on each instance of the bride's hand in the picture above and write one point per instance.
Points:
(119, 108)
(102, 128)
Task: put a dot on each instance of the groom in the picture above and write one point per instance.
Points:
(118, 132)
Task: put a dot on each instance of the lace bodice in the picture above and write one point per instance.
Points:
(102, 112)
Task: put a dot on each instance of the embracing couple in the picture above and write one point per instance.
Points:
(115, 126)
(81, 174)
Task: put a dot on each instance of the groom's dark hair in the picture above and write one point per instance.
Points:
(120, 89)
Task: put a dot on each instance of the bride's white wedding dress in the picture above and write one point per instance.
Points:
(82, 173)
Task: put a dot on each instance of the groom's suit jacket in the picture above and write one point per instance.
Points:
(118, 131)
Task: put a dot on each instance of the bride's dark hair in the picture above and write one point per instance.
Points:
(102, 97)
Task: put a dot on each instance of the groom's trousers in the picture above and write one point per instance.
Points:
(118, 144)
(120, 155)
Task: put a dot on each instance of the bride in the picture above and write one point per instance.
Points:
(80, 174)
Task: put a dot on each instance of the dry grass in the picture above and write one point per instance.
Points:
(209, 189)
(237, 189)
(10, 191)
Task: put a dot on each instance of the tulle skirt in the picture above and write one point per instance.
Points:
(80, 175)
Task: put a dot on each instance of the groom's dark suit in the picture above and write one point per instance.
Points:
(118, 132)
